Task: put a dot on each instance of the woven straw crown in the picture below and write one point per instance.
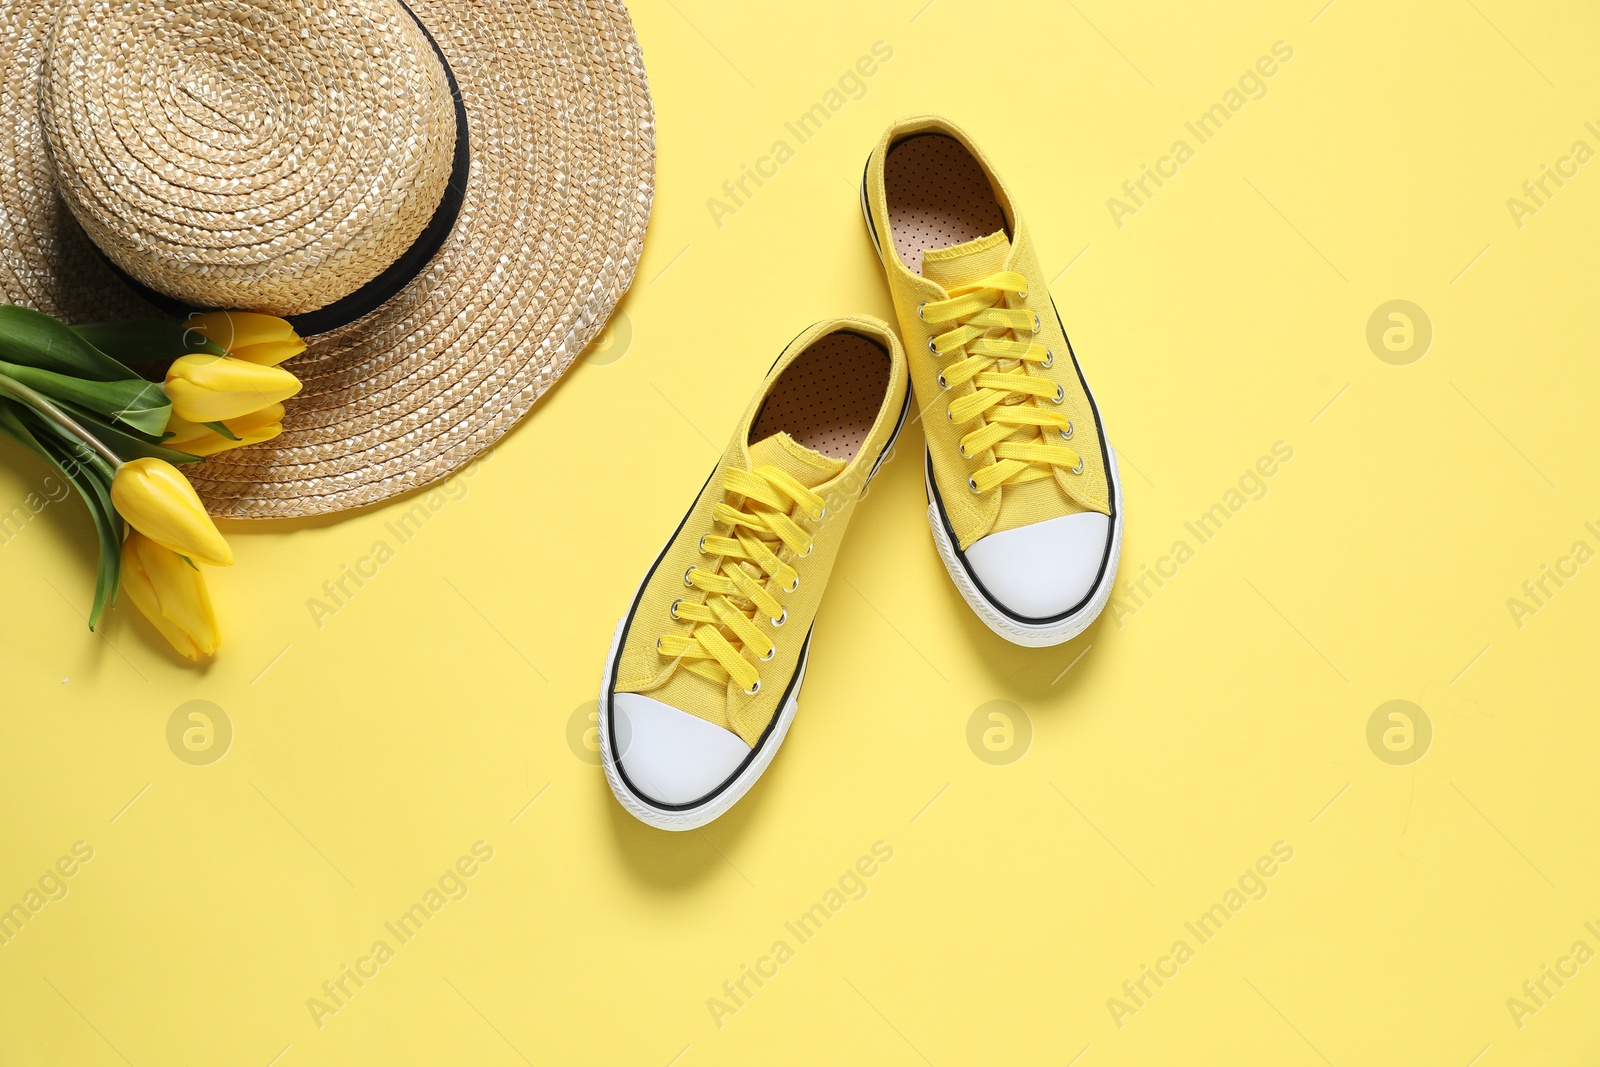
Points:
(234, 156)
(278, 155)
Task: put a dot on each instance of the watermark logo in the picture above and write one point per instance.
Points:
(28, 509)
(583, 732)
(1138, 191)
(1252, 886)
(1537, 192)
(1399, 733)
(1537, 992)
(999, 733)
(199, 732)
(850, 887)
(451, 886)
(613, 342)
(1135, 592)
(51, 886)
(1538, 591)
(737, 192)
(1399, 332)
(338, 592)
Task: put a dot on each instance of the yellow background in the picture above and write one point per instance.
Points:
(1171, 747)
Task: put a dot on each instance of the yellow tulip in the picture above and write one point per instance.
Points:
(158, 501)
(198, 440)
(219, 388)
(262, 339)
(172, 595)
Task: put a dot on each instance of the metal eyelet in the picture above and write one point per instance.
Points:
(1022, 294)
(807, 552)
(793, 586)
(942, 383)
(1061, 394)
(1066, 435)
(1079, 468)
(920, 315)
(973, 485)
(658, 644)
(1049, 357)
(781, 619)
(688, 581)
(949, 414)
(753, 690)
(962, 448)
(1035, 322)
(768, 657)
(932, 347)
(673, 610)
(703, 543)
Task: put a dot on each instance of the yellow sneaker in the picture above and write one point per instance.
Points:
(703, 677)
(1023, 495)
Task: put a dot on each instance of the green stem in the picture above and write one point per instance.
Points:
(42, 404)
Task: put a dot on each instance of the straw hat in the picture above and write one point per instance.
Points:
(447, 199)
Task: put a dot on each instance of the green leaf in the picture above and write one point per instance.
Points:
(221, 428)
(147, 340)
(141, 404)
(123, 439)
(91, 475)
(34, 339)
(108, 524)
(61, 442)
(12, 425)
(108, 578)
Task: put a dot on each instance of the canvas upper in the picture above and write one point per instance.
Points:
(1006, 247)
(817, 430)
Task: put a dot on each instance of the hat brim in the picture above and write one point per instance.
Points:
(547, 241)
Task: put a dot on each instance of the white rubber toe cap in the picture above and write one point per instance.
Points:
(670, 756)
(1043, 570)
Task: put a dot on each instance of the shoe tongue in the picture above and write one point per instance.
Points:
(809, 468)
(965, 263)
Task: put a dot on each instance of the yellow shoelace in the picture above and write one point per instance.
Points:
(1006, 400)
(747, 578)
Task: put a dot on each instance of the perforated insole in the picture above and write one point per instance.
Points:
(937, 195)
(828, 398)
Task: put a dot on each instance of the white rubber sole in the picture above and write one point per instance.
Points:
(1042, 635)
(1018, 633)
(690, 818)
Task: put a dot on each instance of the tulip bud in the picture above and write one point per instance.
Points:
(219, 388)
(265, 340)
(172, 595)
(198, 440)
(158, 501)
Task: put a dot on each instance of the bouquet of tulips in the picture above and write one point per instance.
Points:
(69, 394)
